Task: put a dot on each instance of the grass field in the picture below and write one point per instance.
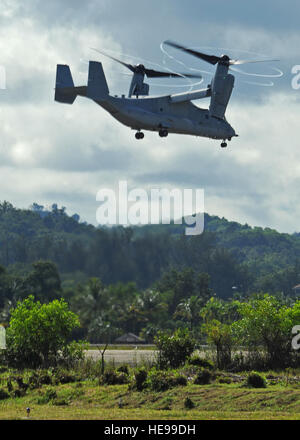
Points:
(90, 401)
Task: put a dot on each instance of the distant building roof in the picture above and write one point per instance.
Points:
(129, 338)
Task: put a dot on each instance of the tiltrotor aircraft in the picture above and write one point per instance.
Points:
(173, 113)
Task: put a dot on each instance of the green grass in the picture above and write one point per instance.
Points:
(89, 400)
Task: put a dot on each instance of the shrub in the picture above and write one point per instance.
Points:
(3, 394)
(140, 376)
(224, 380)
(123, 369)
(159, 380)
(173, 350)
(179, 379)
(256, 380)
(33, 381)
(122, 378)
(38, 334)
(267, 323)
(220, 335)
(199, 362)
(188, 403)
(114, 378)
(48, 396)
(62, 376)
(44, 378)
(19, 393)
(109, 378)
(203, 377)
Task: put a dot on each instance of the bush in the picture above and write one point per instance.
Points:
(123, 369)
(256, 380)
(48, 396)
(38, 334)
(173, 350)
(203, 377)
(18, 393)
(62, 376)
(122, 378)
(220, 335)
(267, 323)
(140, 376)
(188, 403)
(199, 362)
(159, 380)
(114, 378)
(44, 378)
(3, 394)
(224, 380)
(179, 379)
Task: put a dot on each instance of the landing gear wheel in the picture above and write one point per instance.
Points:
(139, 135)
(163, 133)
(223, 145)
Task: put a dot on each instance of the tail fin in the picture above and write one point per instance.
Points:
(97, 86)
(64, 88)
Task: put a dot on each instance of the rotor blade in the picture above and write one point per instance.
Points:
(156, 74)
(212, 59)
(129, 66)
(236, 62)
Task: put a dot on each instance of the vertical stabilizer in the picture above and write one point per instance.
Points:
(64, 87)
(97, 86)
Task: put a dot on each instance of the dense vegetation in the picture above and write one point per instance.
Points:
(178, 383)
(234, 255)
(141, 279)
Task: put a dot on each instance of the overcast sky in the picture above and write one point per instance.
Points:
(55, 153)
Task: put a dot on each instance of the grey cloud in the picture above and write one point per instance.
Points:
(62, 153)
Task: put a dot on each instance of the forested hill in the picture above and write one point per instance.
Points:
(234, 255)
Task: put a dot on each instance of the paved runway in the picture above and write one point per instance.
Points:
(131, 357)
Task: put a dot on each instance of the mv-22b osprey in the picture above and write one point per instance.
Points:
(173, 113)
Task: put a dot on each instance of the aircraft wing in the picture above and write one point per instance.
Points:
(191, 96)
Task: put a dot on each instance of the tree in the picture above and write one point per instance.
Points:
(218, 315)
(5, 287)
(38, 334)
(267, 324)
(181, 285)
(174, 349)
(221, 336)
(189, 310)
(44, 281)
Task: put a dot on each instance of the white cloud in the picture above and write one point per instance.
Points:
(58, 153)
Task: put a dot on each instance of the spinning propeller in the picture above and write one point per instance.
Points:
(213, 59)
(150, 73)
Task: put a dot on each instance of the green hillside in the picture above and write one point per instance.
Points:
(234, 255)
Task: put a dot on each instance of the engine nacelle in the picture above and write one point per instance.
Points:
(141, 89)
(220, 94)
